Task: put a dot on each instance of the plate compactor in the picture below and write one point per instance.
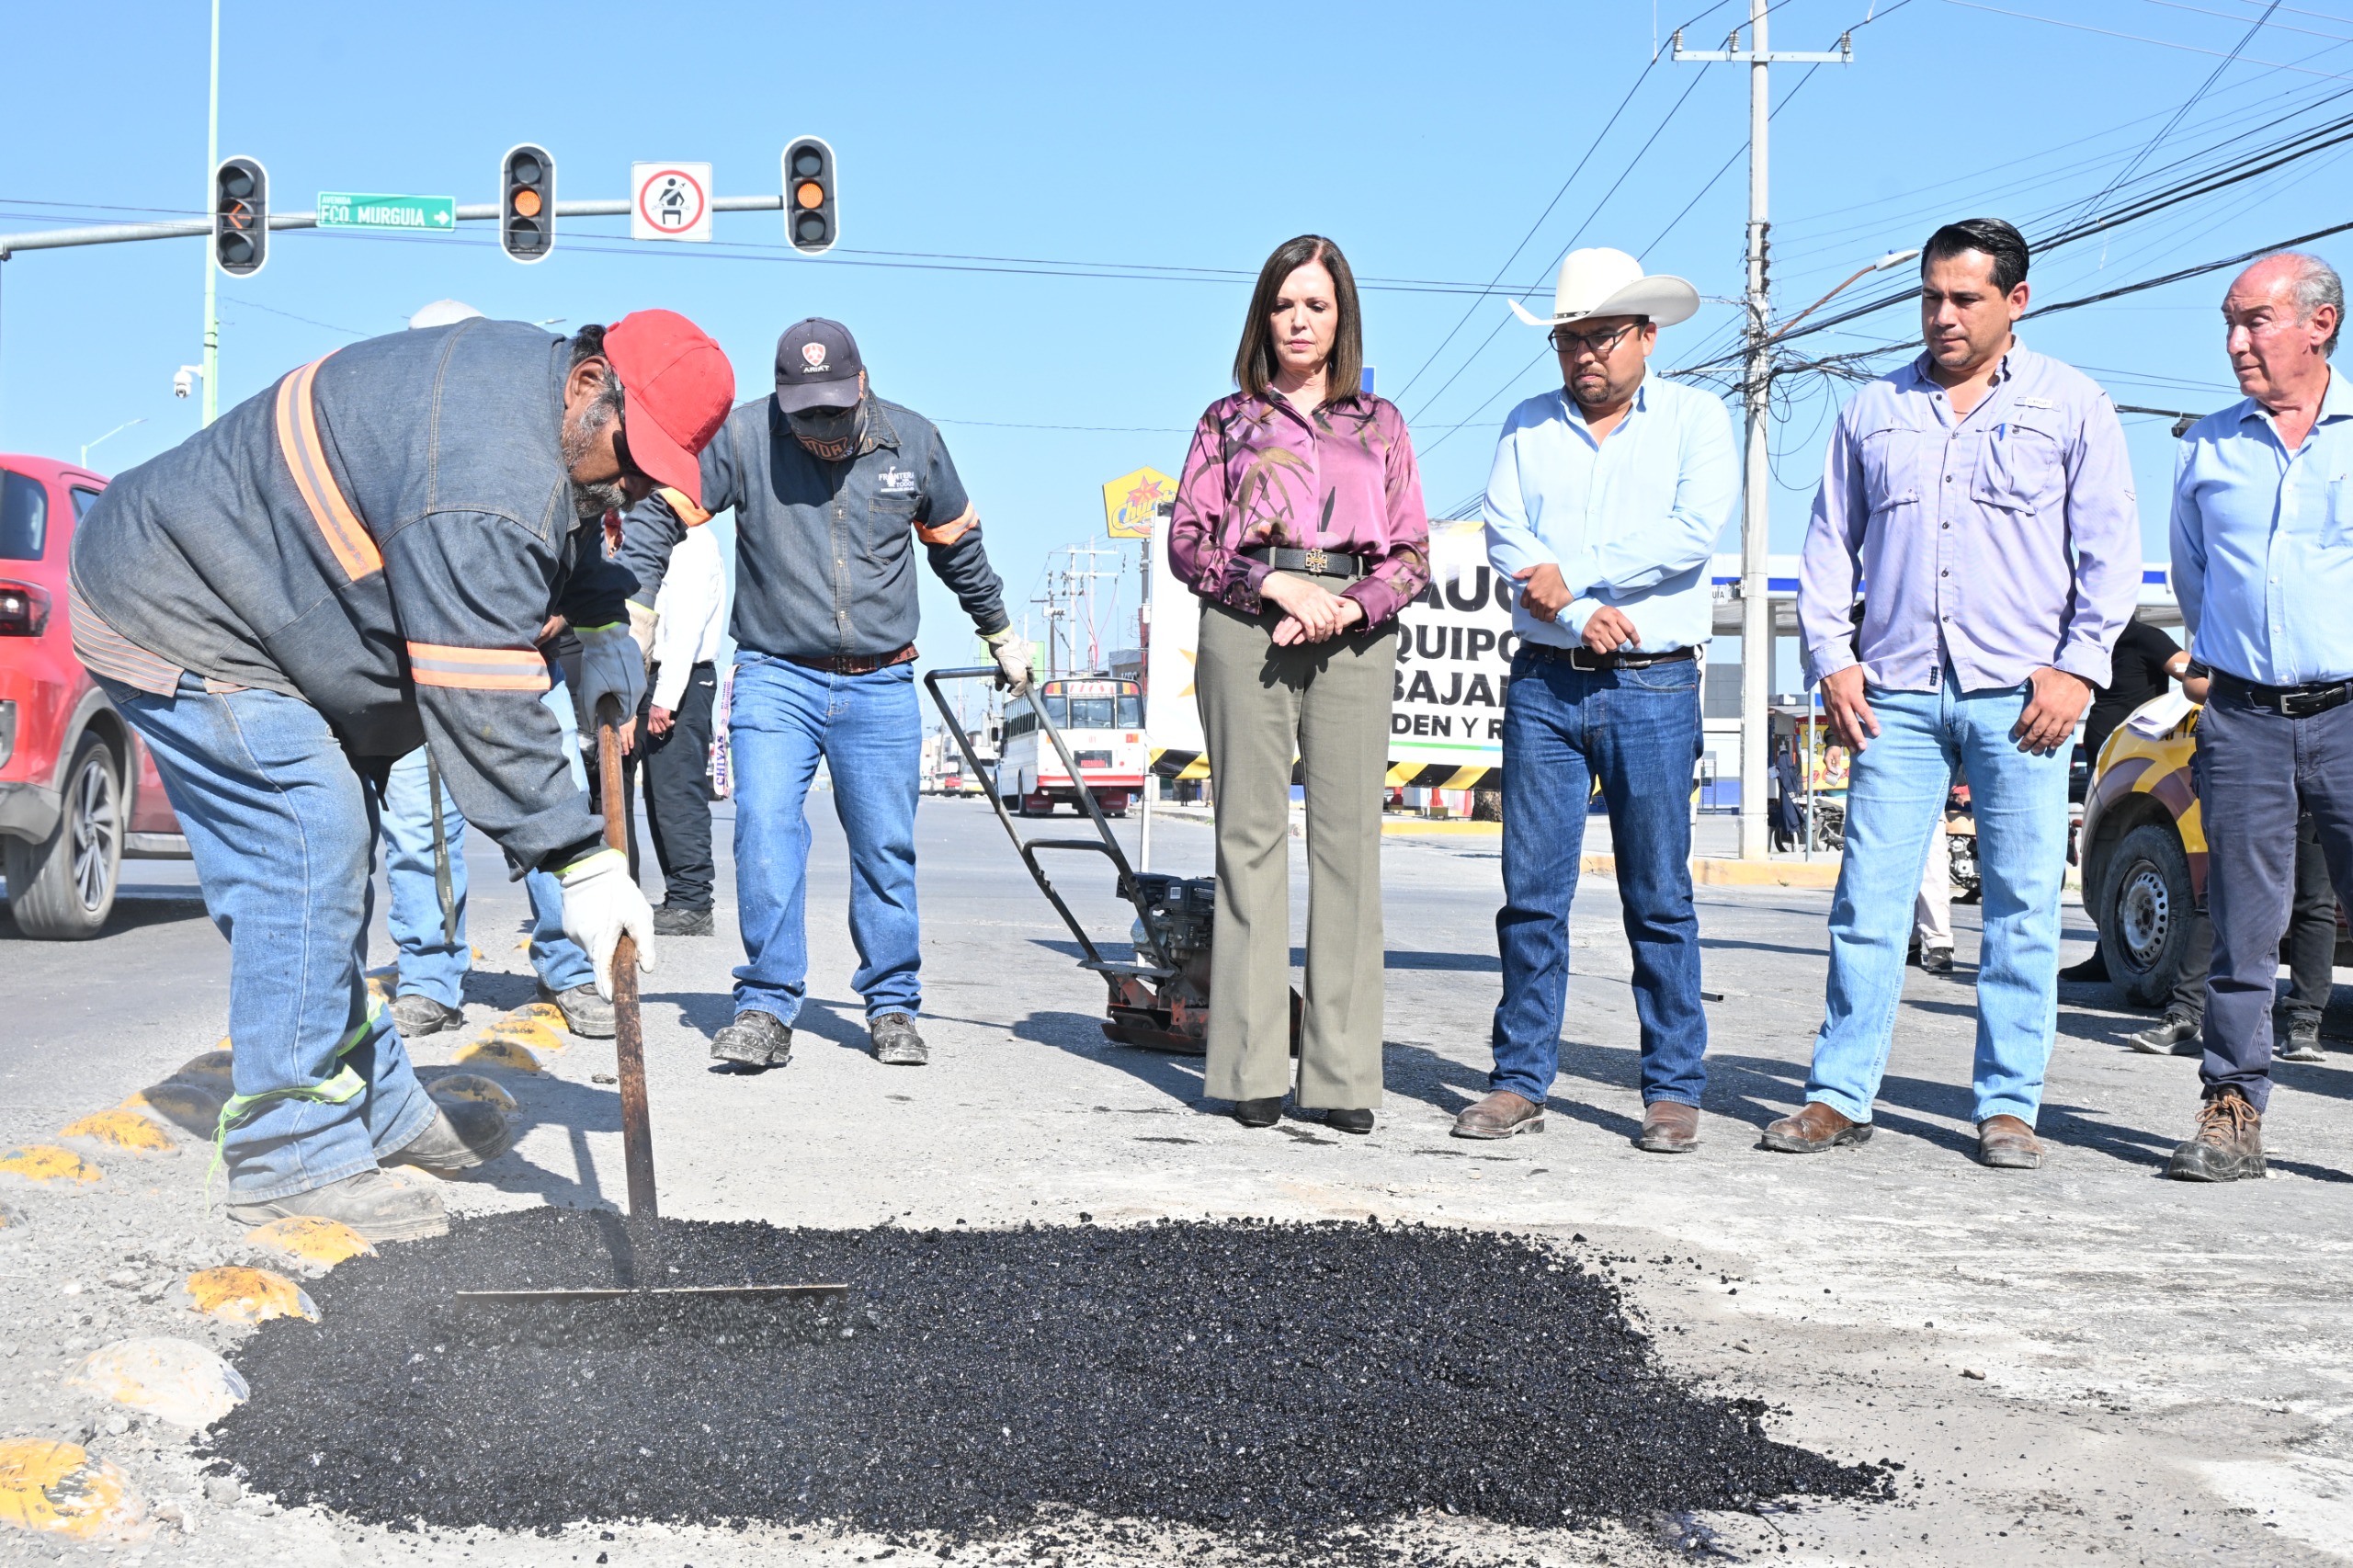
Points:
(1160, 999)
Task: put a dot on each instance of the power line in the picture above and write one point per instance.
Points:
(2189, 103)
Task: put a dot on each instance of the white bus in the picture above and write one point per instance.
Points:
(1102, 723)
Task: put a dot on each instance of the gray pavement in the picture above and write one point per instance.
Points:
(2084, 1363)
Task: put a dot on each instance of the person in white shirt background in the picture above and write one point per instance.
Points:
(690, 616)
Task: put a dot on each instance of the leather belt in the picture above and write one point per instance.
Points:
(1314, 562)
(2289, 701)
(1584, 658)
(853, 663)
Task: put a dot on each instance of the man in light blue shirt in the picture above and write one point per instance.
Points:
(1604, 503)
(1983, 496)
(2263, 567)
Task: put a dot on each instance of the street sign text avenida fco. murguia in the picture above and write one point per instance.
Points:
(344, 209)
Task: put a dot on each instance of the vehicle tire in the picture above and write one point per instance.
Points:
(63, 890)
(2145, 914)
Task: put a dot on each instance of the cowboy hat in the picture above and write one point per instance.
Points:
(1610, 283)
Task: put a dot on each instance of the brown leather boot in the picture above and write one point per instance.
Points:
(2007, 1142)
(1813, 1129)
(2228, 1144)
(1500, 1115)
(1669, 1127)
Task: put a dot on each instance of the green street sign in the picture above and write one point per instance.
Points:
(345, 209)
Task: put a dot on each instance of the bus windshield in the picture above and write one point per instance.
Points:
(1124, 713)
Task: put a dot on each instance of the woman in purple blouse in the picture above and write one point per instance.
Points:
(1300, 524)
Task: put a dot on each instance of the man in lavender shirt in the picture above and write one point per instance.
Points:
(1983, 495)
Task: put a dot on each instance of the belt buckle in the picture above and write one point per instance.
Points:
(1583, 658)
(2304, 704)
(1318, 563)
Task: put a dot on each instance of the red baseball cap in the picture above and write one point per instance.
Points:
(676, 387)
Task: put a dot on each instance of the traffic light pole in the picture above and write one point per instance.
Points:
(1756, 511)
(211, 273)
(114, 233)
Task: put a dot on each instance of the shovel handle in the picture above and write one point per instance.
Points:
(629, 1038)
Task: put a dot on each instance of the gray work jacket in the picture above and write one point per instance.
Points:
(824, 551)
(413, 615)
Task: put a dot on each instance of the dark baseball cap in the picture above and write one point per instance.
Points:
(816, 366)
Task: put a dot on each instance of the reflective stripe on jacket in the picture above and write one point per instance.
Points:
(383, 534)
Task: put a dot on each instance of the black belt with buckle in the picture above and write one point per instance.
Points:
(1584, 658)
(2289, 701)
(852, 664)
(1314, 562)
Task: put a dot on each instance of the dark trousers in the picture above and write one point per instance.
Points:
(2256, 772)
(677, 794)
(2311, 941)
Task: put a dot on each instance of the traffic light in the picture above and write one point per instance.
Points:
(811, 219)
(240, 217)
(526, 203)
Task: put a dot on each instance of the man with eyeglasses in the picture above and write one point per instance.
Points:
(1983, 494)
(833, 489)
(1604, 505)
(354, 562)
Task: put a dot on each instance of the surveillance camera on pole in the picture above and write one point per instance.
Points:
(526, 203)
(184, 380)
(812, 216)
(240, 217)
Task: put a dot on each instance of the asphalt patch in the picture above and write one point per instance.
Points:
(1265, 1381)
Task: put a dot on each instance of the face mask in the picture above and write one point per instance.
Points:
(827, 433)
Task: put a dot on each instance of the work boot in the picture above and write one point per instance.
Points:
(2176, 1036)
(1935, 960)
(896, 1043)
(2228, 1144)
(1813, 1129)
(754, 1043)
(418, 1016)
(1669, 1127)
(2303, 1043)
(377, 1206)
(2007, 1143)
(675, 920)
(585, 1014)
(1500, 1115)
(465, 1133)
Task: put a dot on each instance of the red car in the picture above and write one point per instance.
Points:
(78, 792)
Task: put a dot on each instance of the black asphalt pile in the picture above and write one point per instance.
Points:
(1249, 1377)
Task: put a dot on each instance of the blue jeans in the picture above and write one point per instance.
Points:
(1896, 799)
(281, 829)
(870, 731)
(430, 965)
(1636, 733)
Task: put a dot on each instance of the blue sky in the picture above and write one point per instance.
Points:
(1111, 139)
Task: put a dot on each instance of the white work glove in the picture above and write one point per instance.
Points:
(1011, 652)
(610, 662)
(600, 901)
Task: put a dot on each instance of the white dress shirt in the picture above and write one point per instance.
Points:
(689, 616)
(1631, 520)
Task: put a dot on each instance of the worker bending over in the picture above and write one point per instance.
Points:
(345, 566)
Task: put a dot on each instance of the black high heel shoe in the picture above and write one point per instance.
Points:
(1259, 1113)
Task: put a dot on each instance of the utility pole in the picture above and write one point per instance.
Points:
(1756, 511)
(212, 273)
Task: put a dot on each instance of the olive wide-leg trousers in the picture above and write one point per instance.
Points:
(1327, 705)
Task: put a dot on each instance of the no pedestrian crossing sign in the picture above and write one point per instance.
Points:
(350, 210)
(669, 201)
